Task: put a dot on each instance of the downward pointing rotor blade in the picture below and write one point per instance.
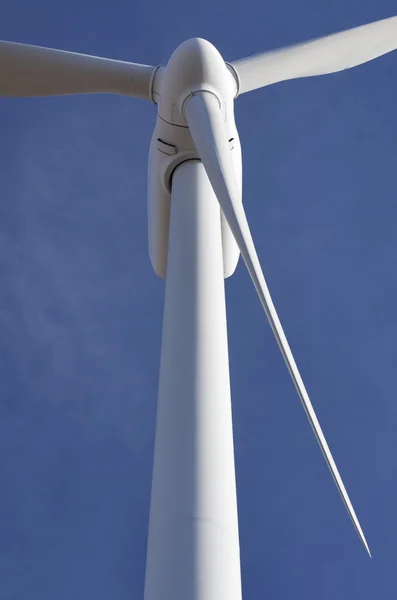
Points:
(34, 71)
(210, 137)
(318, 57)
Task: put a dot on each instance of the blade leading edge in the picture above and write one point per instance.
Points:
(209, 134)
(321, 56)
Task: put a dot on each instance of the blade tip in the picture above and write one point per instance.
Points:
(364, 541)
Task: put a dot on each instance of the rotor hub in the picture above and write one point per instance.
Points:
(195, 66)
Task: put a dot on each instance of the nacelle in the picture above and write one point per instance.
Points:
(195, 66)
(171, 146)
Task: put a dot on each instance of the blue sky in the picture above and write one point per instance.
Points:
(81, 309)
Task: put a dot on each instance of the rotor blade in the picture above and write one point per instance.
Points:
(34, 71)
(210, 137)
(318, 57)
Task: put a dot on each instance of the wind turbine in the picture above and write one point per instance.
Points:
(197, 229)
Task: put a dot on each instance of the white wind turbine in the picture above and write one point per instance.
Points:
(197, 228)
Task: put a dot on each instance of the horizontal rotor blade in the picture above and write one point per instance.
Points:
(34, 71)
(208, 131)
(318, 57)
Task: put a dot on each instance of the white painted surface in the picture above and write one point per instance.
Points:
(35, 71)
(195, 66)
(325, 55)
(180, 147)
(193, 547)
(208, 131)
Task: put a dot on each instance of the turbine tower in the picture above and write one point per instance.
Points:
(197, 230)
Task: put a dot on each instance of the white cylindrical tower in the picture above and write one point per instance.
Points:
(193, 545)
